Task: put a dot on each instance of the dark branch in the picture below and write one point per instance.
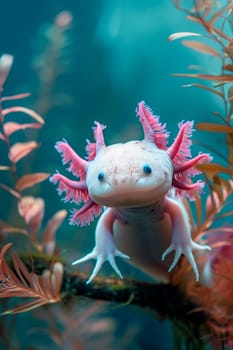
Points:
(165, 299)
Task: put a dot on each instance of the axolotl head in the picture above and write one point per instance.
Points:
(135, 173)
(132, 174)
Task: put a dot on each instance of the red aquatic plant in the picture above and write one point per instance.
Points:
(213, 20)
(18, 150)
(31, 209)
(16, 280)
(214, 294)
(19, 282)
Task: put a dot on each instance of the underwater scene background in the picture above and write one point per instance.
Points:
(86, 61)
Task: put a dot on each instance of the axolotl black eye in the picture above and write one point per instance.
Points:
(100, 176)
(147, 169)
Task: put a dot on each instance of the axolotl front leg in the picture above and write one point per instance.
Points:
(182, 242)
(105, 248)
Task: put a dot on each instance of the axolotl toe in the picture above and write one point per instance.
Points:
(139, 186)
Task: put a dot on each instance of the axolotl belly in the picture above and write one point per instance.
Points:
(145, 238)
(140, 186)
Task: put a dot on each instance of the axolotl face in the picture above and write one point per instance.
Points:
(130, 174)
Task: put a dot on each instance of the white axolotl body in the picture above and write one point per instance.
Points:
(133, 181)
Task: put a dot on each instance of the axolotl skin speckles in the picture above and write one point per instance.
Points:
(140, 185)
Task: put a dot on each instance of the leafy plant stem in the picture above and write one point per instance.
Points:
(7, 142)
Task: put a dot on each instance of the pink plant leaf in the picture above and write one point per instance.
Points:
(30, 180)
(25, 307)
(214, 127)
(207, 88)
(2, 137)
(76, 191)
(56, 279)
(5, 167)
(154, 131)
(10, 229)
(21, 149)
(5, 228)
(32, 210)
(78, 166)
(223, 78)
(201, 47)
(24, 110)
(213, 169)
(86, 214)
(10, 190)
(6, 62)
(11, 127)
(15, 97)
(215, 201)
(48, 236)
(179, 35)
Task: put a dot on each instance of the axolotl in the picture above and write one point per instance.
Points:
(139, 186)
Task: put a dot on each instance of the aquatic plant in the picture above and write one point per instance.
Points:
(202, 313)
(52, 60)
(18, 281)
(214, 294)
